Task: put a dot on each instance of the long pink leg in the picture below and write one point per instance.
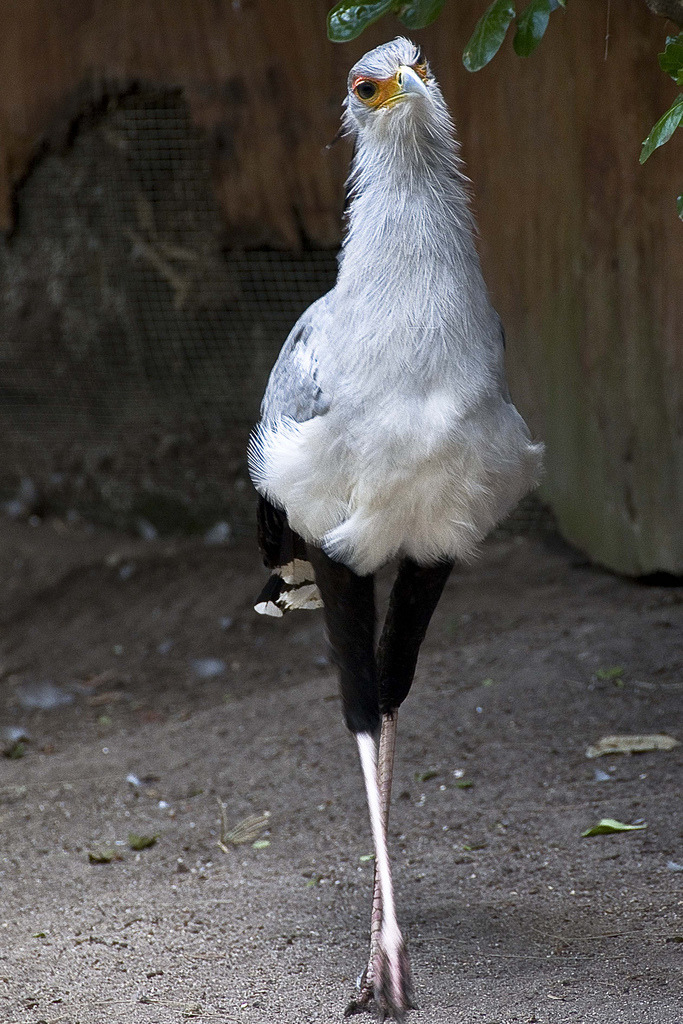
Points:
(387, 976)
(385, 767)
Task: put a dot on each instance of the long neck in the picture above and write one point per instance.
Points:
(409, 218)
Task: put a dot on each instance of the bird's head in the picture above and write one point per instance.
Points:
(390, 88)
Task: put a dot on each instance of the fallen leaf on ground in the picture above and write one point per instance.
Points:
(12, 736)
(103, 856)
(638, 744)
(137, 842)
(610, 826)
(245, 831)
(612, 672)
(15, 751)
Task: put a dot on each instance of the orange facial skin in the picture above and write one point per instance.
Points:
(386, 90)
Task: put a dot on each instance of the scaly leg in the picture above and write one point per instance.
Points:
(414, 597)
(385, 767)
(389, 965)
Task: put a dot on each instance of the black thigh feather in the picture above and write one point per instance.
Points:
(292, 583)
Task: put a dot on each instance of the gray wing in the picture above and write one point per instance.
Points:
(293, 389)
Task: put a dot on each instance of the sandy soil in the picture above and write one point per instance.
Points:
(510, 915)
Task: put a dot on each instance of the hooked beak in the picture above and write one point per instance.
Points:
(409, 82)
(406, 83)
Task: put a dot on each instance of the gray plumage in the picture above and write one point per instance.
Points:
(293, 389)
(386, 427)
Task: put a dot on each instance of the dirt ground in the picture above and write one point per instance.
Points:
(172, 695)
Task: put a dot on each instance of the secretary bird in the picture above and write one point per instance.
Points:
(387, 431)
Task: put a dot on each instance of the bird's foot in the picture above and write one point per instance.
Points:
(388, 981)
(366, 993)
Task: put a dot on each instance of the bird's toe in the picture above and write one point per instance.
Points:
(366, 994)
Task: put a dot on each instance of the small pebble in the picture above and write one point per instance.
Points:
(44, 696)
(207, 668)
(220, 533)
(147, 530)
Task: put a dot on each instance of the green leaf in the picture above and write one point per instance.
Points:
(608, 827)
(488, 35)
(102, 856)
(137, 842)
(671, 60)
(16, 751)
(613, 672)
(531, 25)
(431, 773)
(420, 13)
(664, 129)
(679, 206)
(347, 20)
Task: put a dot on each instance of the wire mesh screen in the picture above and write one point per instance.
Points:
(134, 341)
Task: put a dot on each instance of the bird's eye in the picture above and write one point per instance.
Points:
(366, 90)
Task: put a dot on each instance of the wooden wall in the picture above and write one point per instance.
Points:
(581, 246)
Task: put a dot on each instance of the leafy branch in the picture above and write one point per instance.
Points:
(671, 61)
(347, 20)
(492, 27)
